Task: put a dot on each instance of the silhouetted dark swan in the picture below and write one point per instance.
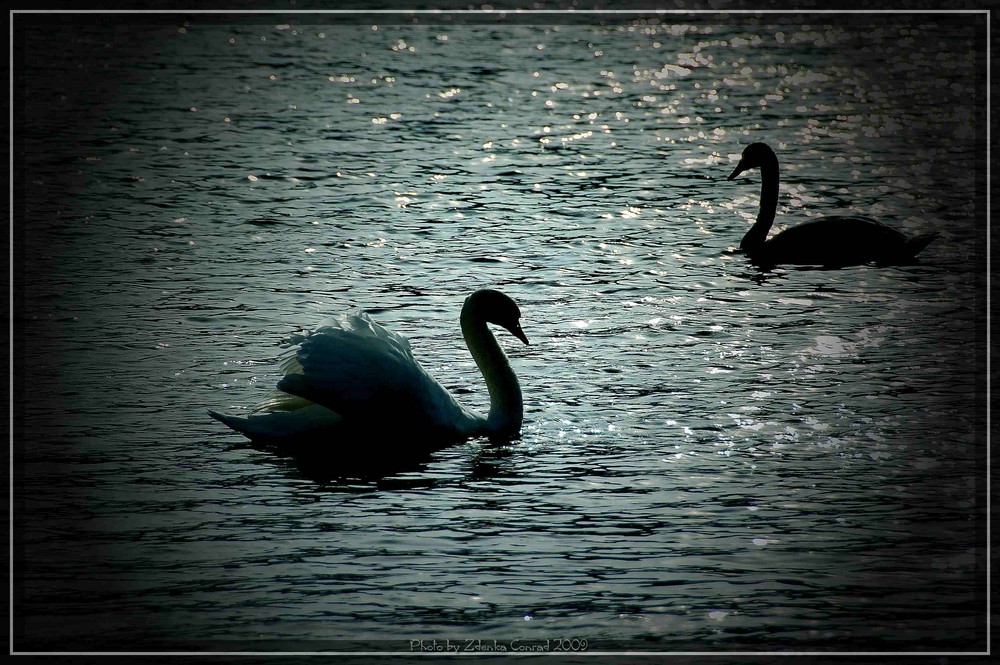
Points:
(828, 241)
(356, 378)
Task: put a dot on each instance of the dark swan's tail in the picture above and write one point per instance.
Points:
(916, 244)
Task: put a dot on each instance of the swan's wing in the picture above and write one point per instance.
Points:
(364, 372)
(281, 402)
(834, 240)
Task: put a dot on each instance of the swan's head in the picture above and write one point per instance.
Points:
(754, 156)
(494, 307)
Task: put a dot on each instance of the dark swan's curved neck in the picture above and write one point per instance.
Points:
(757, 234)
(506, 404)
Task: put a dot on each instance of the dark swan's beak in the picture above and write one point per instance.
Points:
(516, 331)
(740, 168)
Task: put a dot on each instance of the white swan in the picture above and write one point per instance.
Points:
(355, 379)
(828, 241)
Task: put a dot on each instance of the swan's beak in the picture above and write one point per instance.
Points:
(516, 331)
(740, 168)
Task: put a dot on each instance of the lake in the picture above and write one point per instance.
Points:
(714, 457)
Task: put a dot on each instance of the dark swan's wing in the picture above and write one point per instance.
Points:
(834, 241)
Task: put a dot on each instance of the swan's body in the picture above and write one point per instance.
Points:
(356, 379)
(828, 241)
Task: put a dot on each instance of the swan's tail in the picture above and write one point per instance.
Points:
(309, 422)
(916, 244)
(260, 428)
(233, 422)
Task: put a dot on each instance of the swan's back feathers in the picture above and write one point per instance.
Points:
(366, 373)
(840, 241)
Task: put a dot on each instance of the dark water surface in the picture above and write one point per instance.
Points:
(713, 458)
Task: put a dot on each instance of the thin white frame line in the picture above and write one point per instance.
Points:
(438, 12)
(494, 653)
(989, 209)
(501, 12)
(10, 321)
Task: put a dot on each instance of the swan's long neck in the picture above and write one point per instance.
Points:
(755, 237)
(506, 404)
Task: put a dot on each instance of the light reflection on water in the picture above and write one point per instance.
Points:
(712, 457)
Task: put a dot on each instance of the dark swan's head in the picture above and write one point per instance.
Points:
(754, 156)
(494, 307)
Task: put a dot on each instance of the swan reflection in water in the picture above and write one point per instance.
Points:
(830, 242)
(353, 395)
(472, 461)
